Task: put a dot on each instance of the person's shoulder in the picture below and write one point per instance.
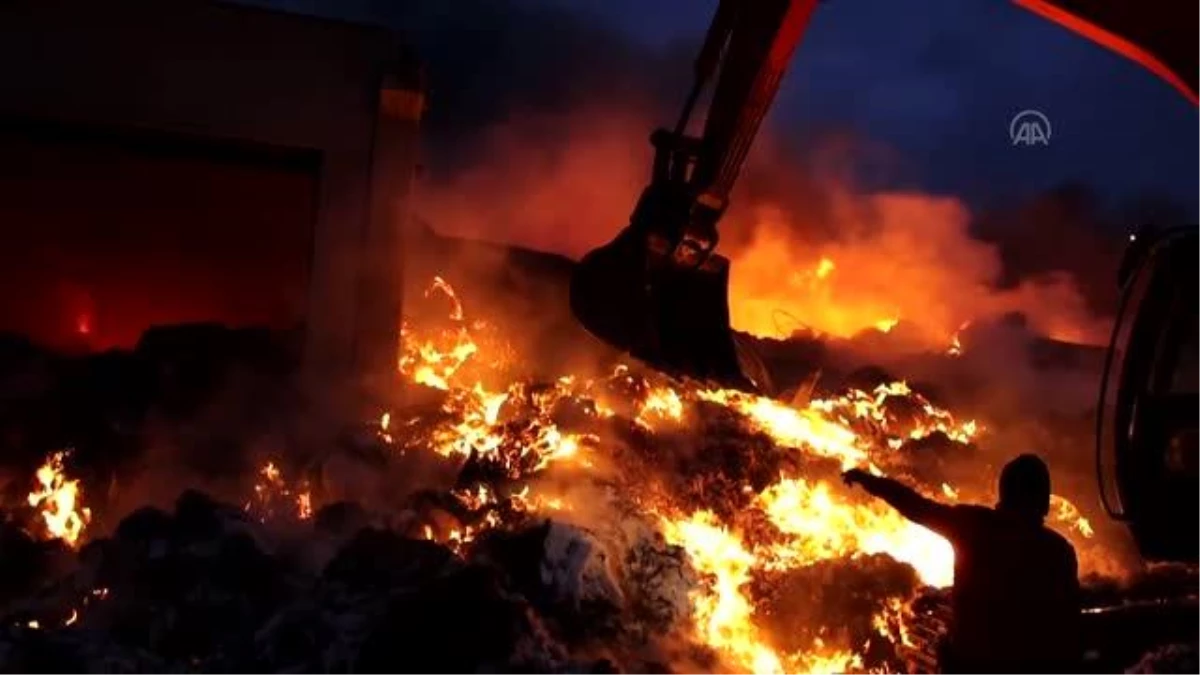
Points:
(973, 511)
(973, 515)
(1056, 538)
(1060, 544)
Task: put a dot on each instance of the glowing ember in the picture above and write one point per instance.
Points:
(273, 496)
(58, 499)
(734, 539)
(304, 505)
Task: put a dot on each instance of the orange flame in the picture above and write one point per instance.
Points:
(59, 500)
(272, 493)
(898, 257)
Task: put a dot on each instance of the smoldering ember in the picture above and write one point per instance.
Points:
(624, 521)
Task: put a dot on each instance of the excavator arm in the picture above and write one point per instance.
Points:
(658, 290)
(758, 40)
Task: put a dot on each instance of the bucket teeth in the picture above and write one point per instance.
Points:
(675, 318)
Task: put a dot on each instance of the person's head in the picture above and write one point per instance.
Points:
(1025, 487)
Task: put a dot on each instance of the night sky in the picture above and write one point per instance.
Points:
(934, 81)
(939, 80)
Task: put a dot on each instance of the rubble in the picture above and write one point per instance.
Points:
(204, 587)
(838, 601)
(564, 571)
(442, 540)
(1174, 658)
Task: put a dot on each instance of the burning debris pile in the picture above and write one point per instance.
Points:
(621, 522)
(785, 569)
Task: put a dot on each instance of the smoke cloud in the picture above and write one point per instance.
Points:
(809, 249)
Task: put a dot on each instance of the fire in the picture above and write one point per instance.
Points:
(436, 360)
(723, 612)
(273, 496)
(1068, 514)
(797, 518)
(304, 505)
(804, 429)
(430, 364)
(385, 423)
(956, 346)
(660, 403)
(894, 257)
(856, 406)
(58, 499)
(840, 265)
(824, 525)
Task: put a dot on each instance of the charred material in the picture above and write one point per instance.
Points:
(624, 522)
(204, 588)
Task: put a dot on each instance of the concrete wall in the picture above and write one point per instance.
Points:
(212, 70)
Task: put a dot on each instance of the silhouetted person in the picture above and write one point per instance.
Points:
(1016, 586)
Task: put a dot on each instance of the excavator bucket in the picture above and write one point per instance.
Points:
(675, 318)
(658, 290)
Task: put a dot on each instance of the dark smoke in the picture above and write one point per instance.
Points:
(1033, 235)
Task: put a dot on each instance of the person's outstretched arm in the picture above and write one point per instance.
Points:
(921, 510)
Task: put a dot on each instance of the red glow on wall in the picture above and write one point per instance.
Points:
(107, 236)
